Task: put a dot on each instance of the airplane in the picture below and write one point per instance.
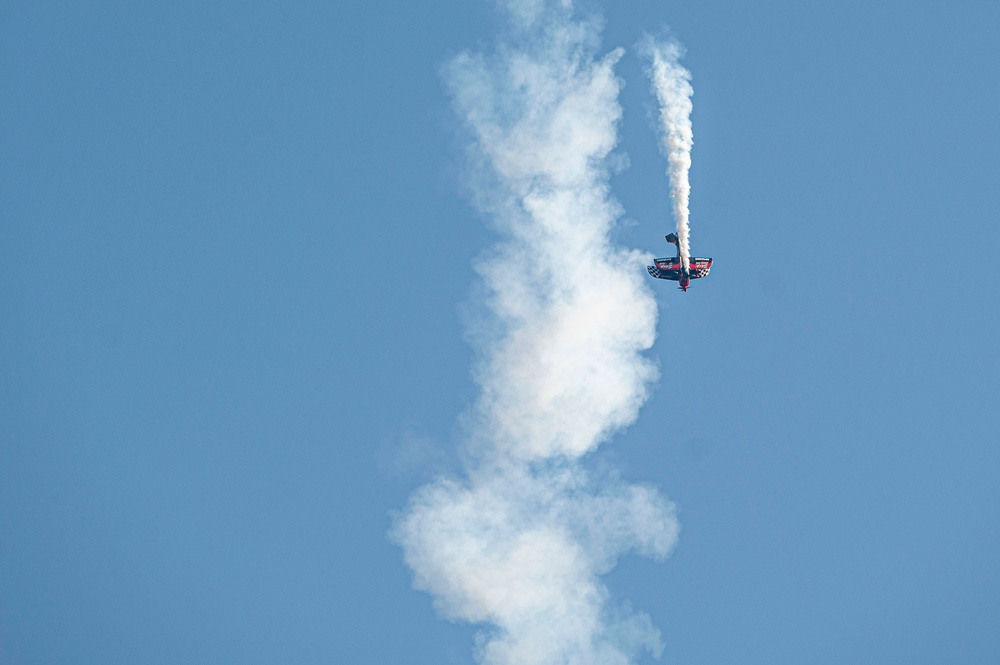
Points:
(672, 268)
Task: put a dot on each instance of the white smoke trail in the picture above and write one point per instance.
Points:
(520, 543)
(672, 85)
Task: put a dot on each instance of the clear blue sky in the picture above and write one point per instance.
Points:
(234, 253)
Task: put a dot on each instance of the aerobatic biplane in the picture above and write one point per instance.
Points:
(673, 268)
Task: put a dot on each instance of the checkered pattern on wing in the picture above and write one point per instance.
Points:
(700, 267)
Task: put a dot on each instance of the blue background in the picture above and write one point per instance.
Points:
(233, 256)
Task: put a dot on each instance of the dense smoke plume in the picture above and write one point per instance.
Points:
(520, 541)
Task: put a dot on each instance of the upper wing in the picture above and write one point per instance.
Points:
(669, 268)
(699, 267)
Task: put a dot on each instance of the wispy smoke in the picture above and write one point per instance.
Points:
(672, 85)
(519, 543)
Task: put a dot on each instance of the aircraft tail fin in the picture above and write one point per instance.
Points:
(672, 238)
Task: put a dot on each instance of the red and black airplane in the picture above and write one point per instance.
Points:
(673, 268)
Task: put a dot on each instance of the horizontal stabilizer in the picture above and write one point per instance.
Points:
(672, 238)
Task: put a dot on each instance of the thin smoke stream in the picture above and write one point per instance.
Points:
(671, 83)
